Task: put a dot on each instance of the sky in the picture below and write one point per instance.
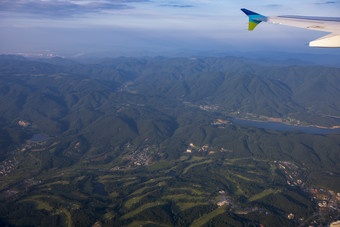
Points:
(154, 27)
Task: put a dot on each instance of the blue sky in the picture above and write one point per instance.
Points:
(70, 27)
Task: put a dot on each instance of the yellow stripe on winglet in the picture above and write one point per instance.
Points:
(252, 25)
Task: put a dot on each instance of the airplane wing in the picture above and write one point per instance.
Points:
(326, 24)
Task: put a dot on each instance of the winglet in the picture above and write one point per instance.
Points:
(253, 22)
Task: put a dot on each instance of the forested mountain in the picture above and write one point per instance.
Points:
(137, 129)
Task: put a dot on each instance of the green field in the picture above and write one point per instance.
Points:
(187, 205)
(192, 191)
(129, 203)
(145, 223)
(263, 194)
(183, 197)
(41, 205)
(160, 165)
(195, 164)
(207, 217)
(141, 208)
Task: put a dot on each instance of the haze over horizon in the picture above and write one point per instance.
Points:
(76, 27)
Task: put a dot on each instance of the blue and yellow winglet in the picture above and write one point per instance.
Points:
(253, 18)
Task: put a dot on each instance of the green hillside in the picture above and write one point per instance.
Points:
(151, 142)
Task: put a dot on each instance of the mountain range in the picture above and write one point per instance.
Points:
(139, 115)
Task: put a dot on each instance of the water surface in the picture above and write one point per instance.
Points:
(278, 126)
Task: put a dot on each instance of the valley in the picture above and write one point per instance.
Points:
(152, 142)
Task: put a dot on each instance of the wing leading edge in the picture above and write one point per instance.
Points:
(326, 24)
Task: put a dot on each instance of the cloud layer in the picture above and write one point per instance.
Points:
(62, 8)
(177, 5)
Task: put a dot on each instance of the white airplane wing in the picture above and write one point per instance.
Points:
(326, 24)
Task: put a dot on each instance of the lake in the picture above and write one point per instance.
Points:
(278, 126)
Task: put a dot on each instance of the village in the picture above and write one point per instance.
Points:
(326, 201)
(37, 142)
(7, 166)
(138, 156)
(141, 157)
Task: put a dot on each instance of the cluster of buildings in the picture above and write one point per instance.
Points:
(208, 108)
(31, 182)
(325, 198)
(205, 148)
(223, 199)
(192, 148)
(10, 193)
(219, 123)
(141, 157)
(23, 123)
(7, 166)
(292, 173)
